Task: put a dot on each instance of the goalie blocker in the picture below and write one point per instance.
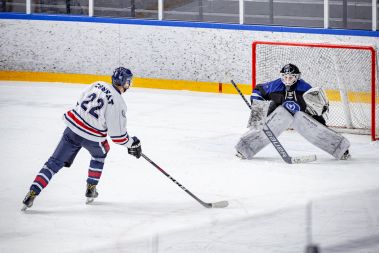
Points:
(316, 133)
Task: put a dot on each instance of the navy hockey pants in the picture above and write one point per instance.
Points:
(65, 154)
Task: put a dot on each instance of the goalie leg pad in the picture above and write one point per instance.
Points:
(253, 141)
(320, 136)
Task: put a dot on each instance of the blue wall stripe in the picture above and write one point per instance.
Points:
(264, 28)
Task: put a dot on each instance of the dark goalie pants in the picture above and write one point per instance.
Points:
(64, 155)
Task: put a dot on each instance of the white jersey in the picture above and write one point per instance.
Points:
(101, 110)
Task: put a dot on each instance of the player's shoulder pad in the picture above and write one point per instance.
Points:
(99, 82)
(273, 86)
(303, 86)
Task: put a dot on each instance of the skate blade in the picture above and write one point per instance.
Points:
(24, 208)
(89, 200)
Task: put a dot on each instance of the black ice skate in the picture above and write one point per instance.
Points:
(28, 200)
(91, 193)
(346, 156)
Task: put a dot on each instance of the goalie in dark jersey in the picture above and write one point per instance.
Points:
(287, 102)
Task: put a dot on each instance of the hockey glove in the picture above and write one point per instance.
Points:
(135, 149)
(258, 114)
(317, 101)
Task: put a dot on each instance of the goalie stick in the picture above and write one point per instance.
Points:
(275, 142)
(220, 204)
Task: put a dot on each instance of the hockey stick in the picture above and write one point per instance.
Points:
(275, 142)
(220, 204)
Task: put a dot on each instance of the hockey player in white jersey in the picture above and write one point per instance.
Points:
(99, 112)
(287, 102)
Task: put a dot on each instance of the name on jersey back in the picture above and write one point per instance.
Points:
(106, 91)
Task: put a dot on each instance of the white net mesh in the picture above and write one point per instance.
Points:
(344, 72)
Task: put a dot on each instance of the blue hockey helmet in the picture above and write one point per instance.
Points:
(290, 73)
(122, 77)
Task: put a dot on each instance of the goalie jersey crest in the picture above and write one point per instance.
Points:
(291, 106)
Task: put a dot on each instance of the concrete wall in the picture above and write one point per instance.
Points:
(158, 52)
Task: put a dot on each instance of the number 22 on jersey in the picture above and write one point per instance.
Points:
(95, 108)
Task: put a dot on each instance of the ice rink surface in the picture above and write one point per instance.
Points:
(191, 136)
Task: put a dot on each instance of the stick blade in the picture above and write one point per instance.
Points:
(304, 159)
(220, 204)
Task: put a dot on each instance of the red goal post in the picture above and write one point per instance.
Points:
(346, 72)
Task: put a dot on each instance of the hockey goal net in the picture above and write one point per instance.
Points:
(346, 72)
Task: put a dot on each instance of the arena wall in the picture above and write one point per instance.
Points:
(161, 54)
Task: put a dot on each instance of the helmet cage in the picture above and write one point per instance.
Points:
(290, 74)
(128, 82)
(289, 79)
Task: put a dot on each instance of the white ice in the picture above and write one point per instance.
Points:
(191, 136)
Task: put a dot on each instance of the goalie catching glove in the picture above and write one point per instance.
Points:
(135, 149)
(317, 101)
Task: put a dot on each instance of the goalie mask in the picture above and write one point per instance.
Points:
(290, 74)
(122, 77)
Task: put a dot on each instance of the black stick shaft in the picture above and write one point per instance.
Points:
(207, 205)
(239, 92)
